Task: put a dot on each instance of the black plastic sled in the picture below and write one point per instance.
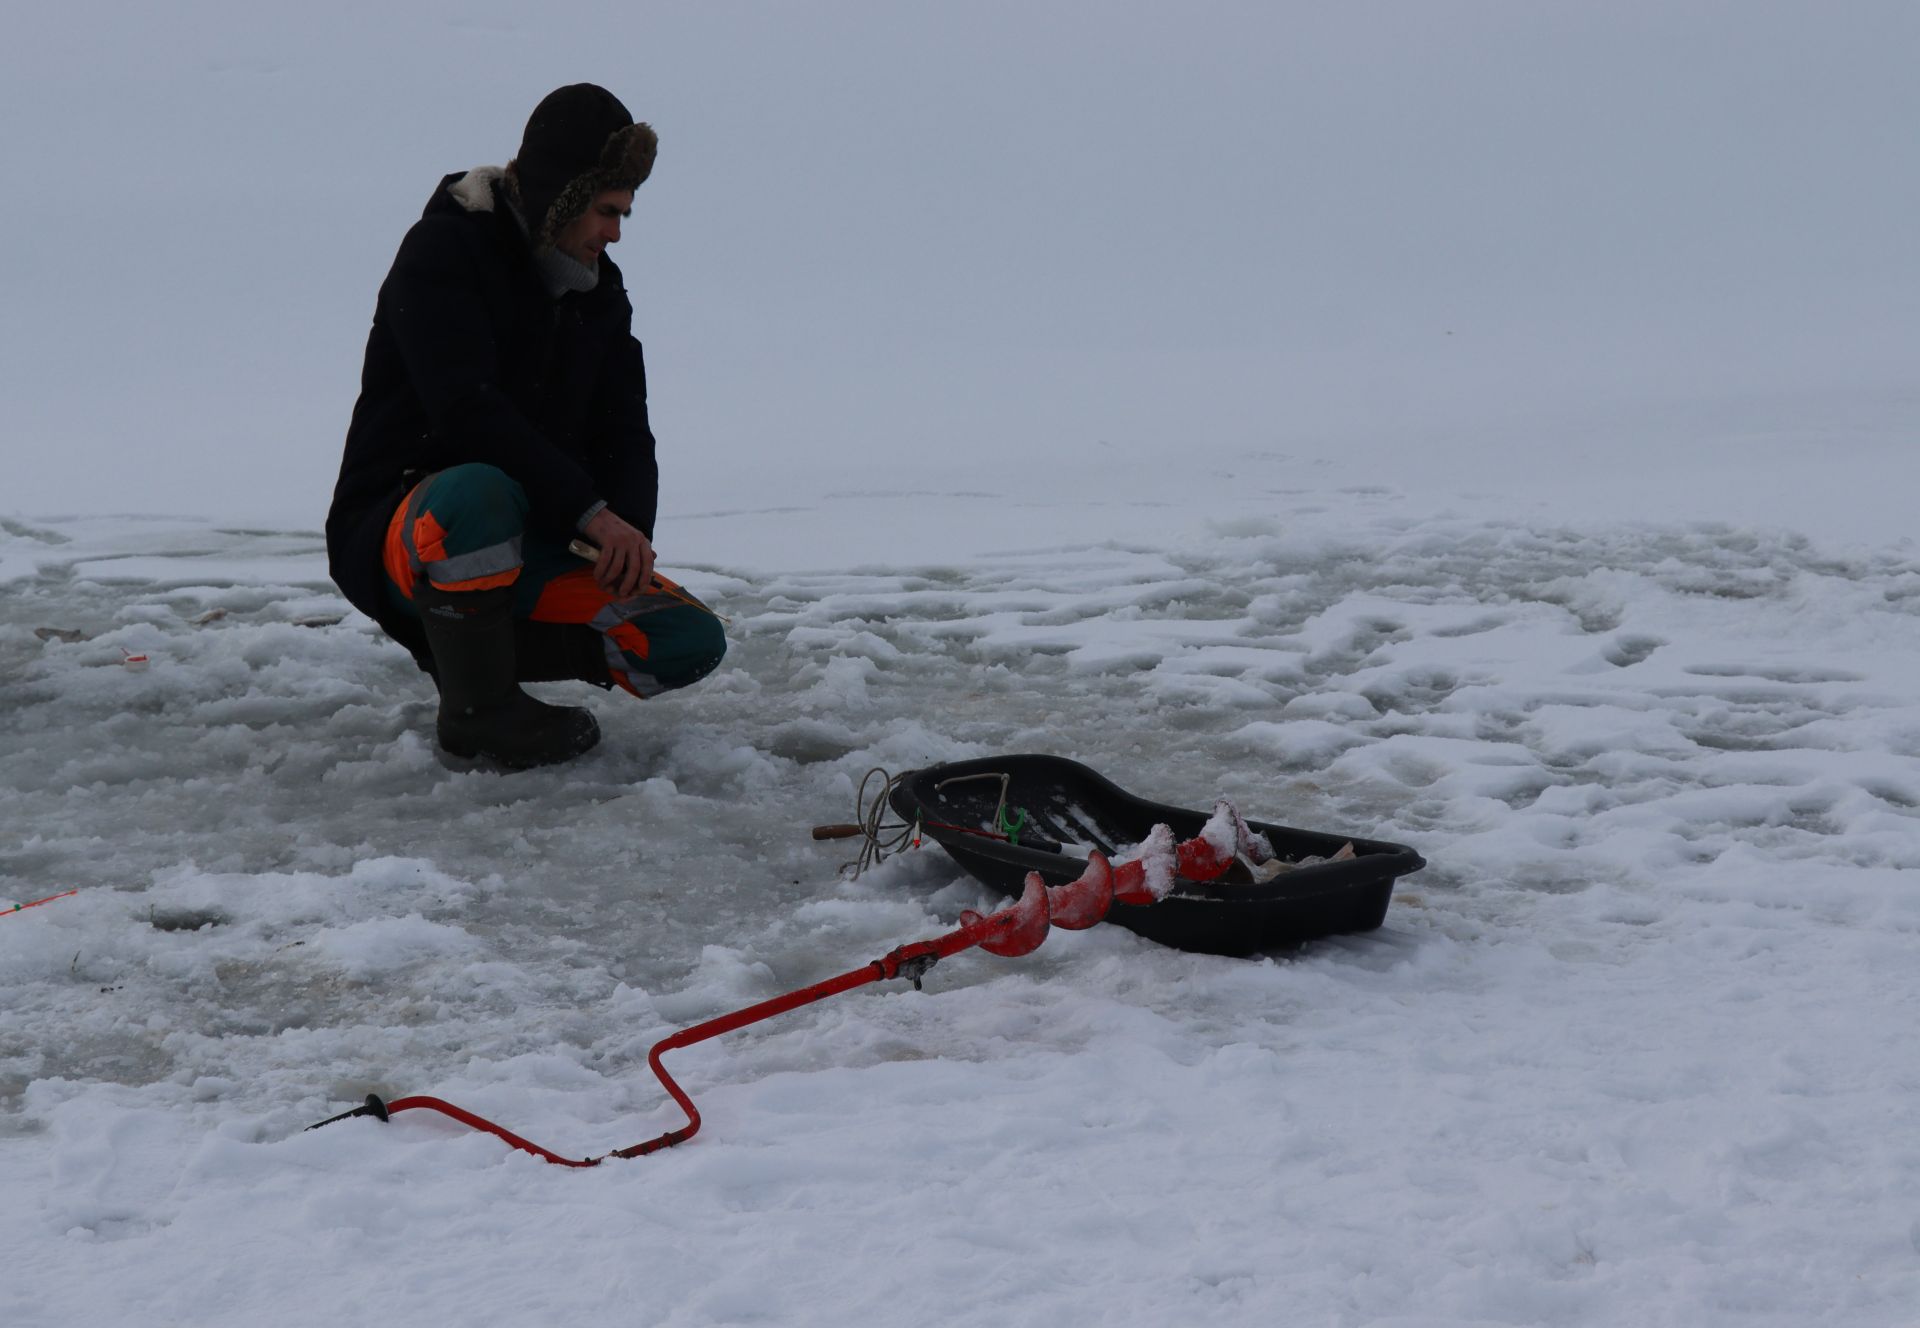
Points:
(1069, 810)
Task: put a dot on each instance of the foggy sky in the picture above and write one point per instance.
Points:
(880, 231)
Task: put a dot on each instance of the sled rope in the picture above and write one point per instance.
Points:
(880, 838)
(1000, 825)
(883, 838)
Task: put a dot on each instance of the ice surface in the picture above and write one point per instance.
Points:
(1638, 1037)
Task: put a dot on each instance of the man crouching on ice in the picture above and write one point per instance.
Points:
(502, 416)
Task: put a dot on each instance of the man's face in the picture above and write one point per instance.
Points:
(586, 235)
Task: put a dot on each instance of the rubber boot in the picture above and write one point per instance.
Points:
(483, 713)
(559, 652)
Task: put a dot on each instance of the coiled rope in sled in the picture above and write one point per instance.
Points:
(879, 837)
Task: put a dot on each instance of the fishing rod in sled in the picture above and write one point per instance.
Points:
(1009, 933)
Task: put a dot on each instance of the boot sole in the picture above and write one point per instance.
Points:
(462, 757)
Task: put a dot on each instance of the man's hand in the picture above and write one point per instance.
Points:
(626, 556)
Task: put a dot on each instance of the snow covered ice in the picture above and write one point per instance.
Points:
(1638, 1046)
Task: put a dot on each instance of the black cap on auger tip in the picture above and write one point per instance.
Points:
(373, 1106)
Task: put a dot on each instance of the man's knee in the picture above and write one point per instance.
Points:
(698, 646)
(459, 530)
(682, 646)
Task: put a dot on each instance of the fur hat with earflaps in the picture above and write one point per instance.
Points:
(579, 141)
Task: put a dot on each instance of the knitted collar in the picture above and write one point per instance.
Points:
(560, 273)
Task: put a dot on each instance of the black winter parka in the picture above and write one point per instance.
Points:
(471, 360)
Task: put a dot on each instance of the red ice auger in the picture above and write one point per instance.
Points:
(1015, 930)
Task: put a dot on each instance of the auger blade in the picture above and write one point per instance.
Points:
(1148, 876)
(1130, 884)
(1017, 929)
(1200, 861)
(1079, 904)
(1248, 843)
